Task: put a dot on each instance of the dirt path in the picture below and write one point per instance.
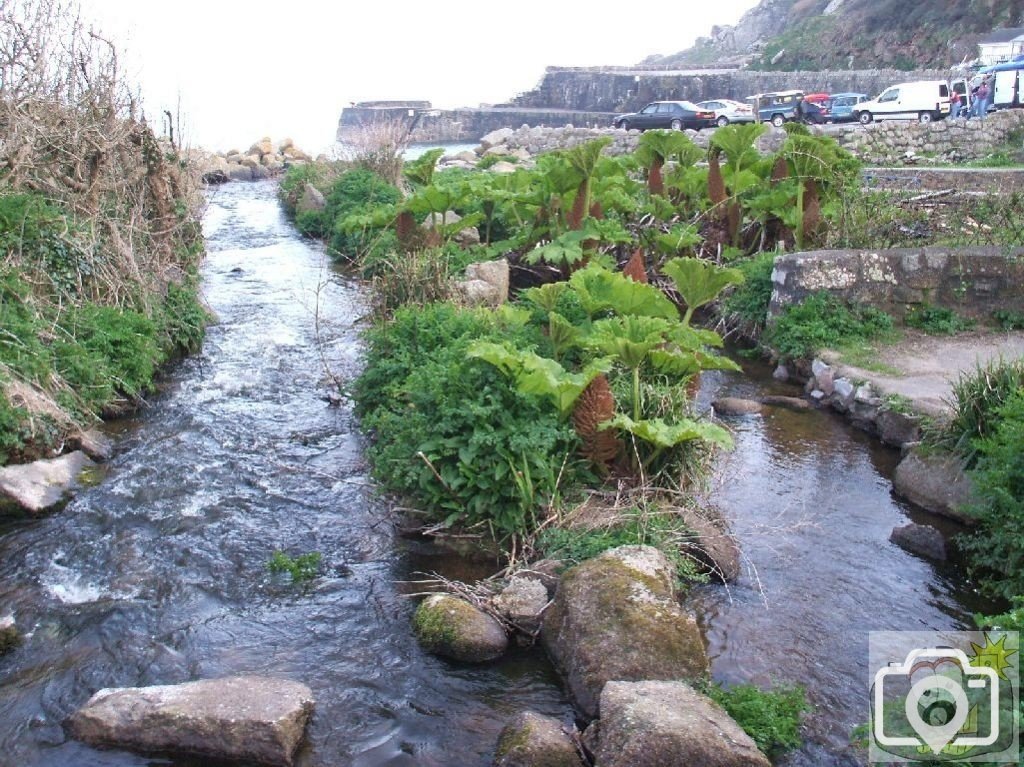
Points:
(928, 365)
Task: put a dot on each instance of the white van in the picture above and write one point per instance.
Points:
(924, 100)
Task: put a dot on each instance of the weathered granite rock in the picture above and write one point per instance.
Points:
(658, 724)
(934, 482)
(478, 293)
(736, 406)
(920, 539)
(250, 161)
(532, 740)
(897, 429)
(781, 373)
(494, 273)
(260, 172)
(495, 137)
(253, 718)
(262, 147)
(239, 172)
(602, 609)
(311, 201)
(40, 485)
(522, 602)
(711, 543)
(452, 627)
(503, 167)
(94, 443)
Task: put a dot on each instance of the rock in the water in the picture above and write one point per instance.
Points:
(532, 740)
(9, 636)
(522, 602)
(311, 201)
(920, 539)
(657, 724)
(616, 617)
(94, 443)
(40, 485)
(452, 627)
(781, 373)
(712, 543)
(252, 718)
(790, 403)
(898, 429)
(736, 406)
(237, 172)
(934, 482)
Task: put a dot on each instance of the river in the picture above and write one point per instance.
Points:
(159, 573)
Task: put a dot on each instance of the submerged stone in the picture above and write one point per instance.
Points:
(253, 718)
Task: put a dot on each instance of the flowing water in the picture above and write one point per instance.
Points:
(158, 574)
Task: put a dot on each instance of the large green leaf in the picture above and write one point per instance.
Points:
(687, 363)
(665, 144)
(583, 157)
(538, 375)
(699, 282)
(546, 296)
(600, 290)
(666, 435)
(679, 237)
(630, 338)
(421, 170)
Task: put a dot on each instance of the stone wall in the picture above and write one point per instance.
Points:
(960, 139)
(617, 90)
(466, 125)
(973, 281)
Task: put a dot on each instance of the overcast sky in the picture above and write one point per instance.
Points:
(245, 70)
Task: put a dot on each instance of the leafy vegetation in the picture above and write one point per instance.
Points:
(747, 306)
(822, 322)
(770, 717)
(937, 320)
(301, 569)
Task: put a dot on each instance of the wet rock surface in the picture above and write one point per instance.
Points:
(248, 717)
(41, 485)
(602, 607)
(920, 539)
(532, 740)
(936, 483)
(452, 627)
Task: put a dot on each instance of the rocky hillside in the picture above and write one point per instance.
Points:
(794, 35)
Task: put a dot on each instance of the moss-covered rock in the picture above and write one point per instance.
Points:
(532, 740)
(452, 627)
(616, 617)
(9, 636)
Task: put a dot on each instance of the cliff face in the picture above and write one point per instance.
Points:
(790, 35)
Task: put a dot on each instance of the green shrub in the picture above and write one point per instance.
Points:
(996, 546)
(40, 236)
(13, 429)
(491, 160)
(182, 319)
(978, 397)
(1009, 320)
(823, 322)
(937, 320)
(770, 717)
(354, 192)
(448, 429)
(747, 306)
(123, 339)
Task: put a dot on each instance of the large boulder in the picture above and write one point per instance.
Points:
(532, 740)
(657, 724)
(40, 485)
(616, 617)
(494, 138)
(262, 147)
(935, 482)
(494, 273)
(452, 627)
(253, 718)
(736, 406)
(311, 201)
(238, 172)
(924, 540)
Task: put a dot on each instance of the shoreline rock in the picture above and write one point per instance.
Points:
(533, 740)
(452, 627)
(253, 718)
(41, 485)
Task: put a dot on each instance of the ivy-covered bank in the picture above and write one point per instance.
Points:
(99, 240)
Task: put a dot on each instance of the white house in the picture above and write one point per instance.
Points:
(1001, 45)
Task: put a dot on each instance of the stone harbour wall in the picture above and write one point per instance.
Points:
(973, 281)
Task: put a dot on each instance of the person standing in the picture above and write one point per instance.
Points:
(983, 98)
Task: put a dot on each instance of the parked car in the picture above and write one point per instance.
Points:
(778, 108)
(841, 105)
(728, 111)
(667, 114)
(922, 100)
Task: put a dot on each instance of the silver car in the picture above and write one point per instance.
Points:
(729, 111)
